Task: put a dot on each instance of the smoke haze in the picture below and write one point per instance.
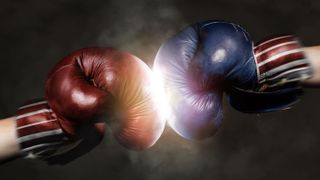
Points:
(36, 34)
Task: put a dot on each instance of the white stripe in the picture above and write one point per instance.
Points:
(33, 104)
(290, 80)
(39, 146)
(33, 113)
(270, 40)
(276, 46)
(39, 135)
(285, 73)
(37, 123)
(272, 58)
(290, 71)
(283, 67)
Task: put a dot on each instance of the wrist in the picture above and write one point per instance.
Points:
(313, 54)
(8, 138)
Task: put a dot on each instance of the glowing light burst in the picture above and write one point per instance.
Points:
(160, 95)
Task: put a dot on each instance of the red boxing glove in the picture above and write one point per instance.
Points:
(92, 82)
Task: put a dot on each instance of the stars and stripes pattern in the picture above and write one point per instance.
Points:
(39, 132)
(281, 60)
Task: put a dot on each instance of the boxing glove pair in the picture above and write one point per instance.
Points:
(195, 66)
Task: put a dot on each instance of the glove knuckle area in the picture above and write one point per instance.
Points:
(69, 93)
(95, 82)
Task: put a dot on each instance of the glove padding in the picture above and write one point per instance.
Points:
(103, 82)
(209, 57)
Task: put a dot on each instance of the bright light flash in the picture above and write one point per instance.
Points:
(162, 99)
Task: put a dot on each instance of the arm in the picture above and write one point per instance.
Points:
(313, 54)
(34, 132)
(9, 146)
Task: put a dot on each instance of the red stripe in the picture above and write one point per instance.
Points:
(272, 43)
(295, 67)
(276, 51)
(281, 61)
(33, 108)
(34, 118)
(39, 128)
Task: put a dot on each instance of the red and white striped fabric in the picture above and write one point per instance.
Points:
(38, 130)
(281, 60)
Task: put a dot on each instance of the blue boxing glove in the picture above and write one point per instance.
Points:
(207, 58)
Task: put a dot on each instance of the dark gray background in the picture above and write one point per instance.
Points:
(34, 35)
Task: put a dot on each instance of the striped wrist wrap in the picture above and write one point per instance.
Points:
(280, 61)
(38, 130)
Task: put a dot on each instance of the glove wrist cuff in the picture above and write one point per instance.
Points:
(38, 130)
(280, 61)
